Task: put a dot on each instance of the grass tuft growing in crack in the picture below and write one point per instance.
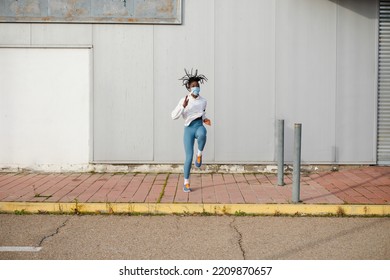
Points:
(163, 189)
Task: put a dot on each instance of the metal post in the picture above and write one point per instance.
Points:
(297, 163)
(280, 152)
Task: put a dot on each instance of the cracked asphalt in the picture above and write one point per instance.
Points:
(195, 237)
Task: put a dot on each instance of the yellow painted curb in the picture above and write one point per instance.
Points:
(189, 209)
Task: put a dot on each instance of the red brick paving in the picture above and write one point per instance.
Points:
(79, 187)
(196, 184)
(117, 191)
(365, 185)
(62, 191)
(180, 196)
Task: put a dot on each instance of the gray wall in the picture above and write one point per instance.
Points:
(307, 61)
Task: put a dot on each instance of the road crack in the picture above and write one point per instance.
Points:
(57, 231)
(240, 238)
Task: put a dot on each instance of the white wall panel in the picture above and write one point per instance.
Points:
(44, 106)
(15, 34)
(176, 48)
(245, 80)
(61, 34)
(305, 75)
(356, 81)
(123, 93)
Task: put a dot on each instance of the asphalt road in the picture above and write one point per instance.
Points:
(194, 237)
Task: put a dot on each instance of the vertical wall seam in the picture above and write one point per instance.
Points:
(275, 82)
(215, 82)
(92, 101)
(335, 157)
(153, 96)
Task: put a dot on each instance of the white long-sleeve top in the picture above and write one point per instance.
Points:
(196, 108)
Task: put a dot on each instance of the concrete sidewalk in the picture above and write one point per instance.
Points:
(365, 189)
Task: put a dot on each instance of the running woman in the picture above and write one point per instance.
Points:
(192, 108)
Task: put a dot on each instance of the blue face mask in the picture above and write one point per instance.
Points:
(195, 90)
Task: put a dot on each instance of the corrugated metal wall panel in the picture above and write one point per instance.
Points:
(17, 34)
(176, 47)
(244, 80)
(384, 84)
(306, 76)
(123, 93)
(356, 94)
(61, 34)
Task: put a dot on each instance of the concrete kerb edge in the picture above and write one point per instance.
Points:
(195, 209)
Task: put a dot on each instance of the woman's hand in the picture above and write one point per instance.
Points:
(207, 121)
(185, 103)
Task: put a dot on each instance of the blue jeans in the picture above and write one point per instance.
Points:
(195, 130)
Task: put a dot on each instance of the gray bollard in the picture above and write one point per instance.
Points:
(297, 163)
(280, 152)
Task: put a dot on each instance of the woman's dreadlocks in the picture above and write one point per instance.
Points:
(188, 78)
